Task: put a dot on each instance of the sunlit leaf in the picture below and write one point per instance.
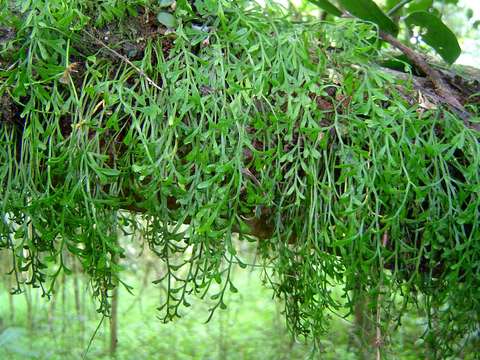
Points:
(436, 34)
(419, 5)
(167, 19)
(327, 6)
(368, 10)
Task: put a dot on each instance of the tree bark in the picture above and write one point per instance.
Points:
(114, 314)
(28, 301)
(64, 299)
(76, 292)
(10, 301)
(114, 323)
(51, 314)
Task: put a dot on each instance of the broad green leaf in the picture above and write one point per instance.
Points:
(391, 3)
(436, 34)
(393, 7)
(419, 5)
(368, 10)
(327, 6)
(167, 19)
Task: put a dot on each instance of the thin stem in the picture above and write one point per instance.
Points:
(93, 337)
(397, 7)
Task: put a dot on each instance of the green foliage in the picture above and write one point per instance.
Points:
(167, 19)
(420, 5)
(368, 10)
(108, 11)
(251, 328)
(370, 192)
(436, 34)
(327, 6)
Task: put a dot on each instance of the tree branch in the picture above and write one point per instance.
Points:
(441, 88)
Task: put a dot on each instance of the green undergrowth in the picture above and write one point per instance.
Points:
(248, 124)
(251, 327)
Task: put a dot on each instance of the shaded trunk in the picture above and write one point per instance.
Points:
(114, 312)
(114, 323)
(28, 301)
(51, 314)
(222, 347)
(363, 327)
(11, 303)
(76, 292)
(64, 306)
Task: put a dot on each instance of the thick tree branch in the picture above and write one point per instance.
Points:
(442, 89)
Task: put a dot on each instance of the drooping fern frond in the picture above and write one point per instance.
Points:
(287, 134)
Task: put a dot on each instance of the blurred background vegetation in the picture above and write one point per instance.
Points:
(252, 326)
(464, 20)
(461, 16)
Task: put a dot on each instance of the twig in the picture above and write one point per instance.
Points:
(440, 86)
(124, 59)
(252, 177)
